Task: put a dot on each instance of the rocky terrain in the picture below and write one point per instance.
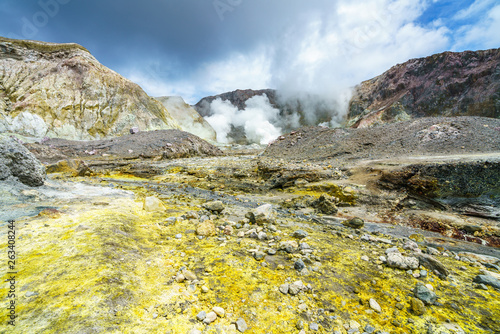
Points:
(291, 240)
(188, 118)
(446, 84)
(61, 90)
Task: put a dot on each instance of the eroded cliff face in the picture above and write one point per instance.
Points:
(447, 84)
(61, 90)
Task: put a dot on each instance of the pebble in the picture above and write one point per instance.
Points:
(375, 306)
(241, 325)
(356, 222)
(314, 327)
(300, 234)
(300, 324)
(201, 316)
(194, 331)
(424, 294)
(417, 306)
(219, 311)
(211, 317)
(299, 265)
(271, 251)
(365, 258)
(178, 236)
(284, 289)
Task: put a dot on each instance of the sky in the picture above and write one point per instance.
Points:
(196, 48)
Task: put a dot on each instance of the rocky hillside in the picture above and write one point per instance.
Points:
(447, 84)
(61, 90)
(187, 117)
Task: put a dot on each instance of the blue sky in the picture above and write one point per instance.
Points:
(195, 48)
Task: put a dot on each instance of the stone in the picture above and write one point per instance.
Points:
(433, 264)
(152, 204)
(259, 256)
(189, 275)
(488, 280)
(206, 229)
(241, 325)
(201, 316)
(355, 222)
(313, 326)
(180, 278)
(211, 317)
(178, 236)
(412, 246)
(263, 214)
(300, 234)
(219, 311)
(194, 331)
(396, 260)
(325, 204)
(424, 294)
(134, 130)
(204, 289)
(262, 235)
(289, 246)
(192, 215)
(284, 288)
(215, 206)
(299, 265)
(18, 161)
(417, 306)
(374, 305)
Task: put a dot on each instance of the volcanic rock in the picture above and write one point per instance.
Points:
(61, 90)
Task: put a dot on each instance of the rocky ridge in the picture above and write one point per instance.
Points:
(61, 90)
(446, 84)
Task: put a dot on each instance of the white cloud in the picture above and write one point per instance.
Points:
(483, 35)
(477, 8)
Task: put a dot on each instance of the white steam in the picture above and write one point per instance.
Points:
(258, 120)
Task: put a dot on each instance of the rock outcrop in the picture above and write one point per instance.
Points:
(188, 118)
(61, 90)
(17, 161)
(446, 84)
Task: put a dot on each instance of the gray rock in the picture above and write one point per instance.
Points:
(178, 236)
(259, 255)
(20, 162)
(424, 294)
(488, 280)
(356, 222)
(284, 288)
(396, 260)
(300, 234)
(325, 204)
(4, 171)
(314, 326)
(241, 325)
(411, 245)
(271, 251)
(433, 264)
(262, 236)
(299, 265)
(211, 317)
(264, 214)
(375, 306)
(369, 329)
(201, 316)
(215, 206)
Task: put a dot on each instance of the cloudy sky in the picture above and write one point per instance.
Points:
(196, 48)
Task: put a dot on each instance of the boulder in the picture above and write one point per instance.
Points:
(17, 161)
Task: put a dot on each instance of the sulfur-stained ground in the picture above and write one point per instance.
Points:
(104, 264)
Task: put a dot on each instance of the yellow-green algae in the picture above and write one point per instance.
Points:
(110, 268)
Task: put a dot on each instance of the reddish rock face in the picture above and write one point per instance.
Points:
(447, 84)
